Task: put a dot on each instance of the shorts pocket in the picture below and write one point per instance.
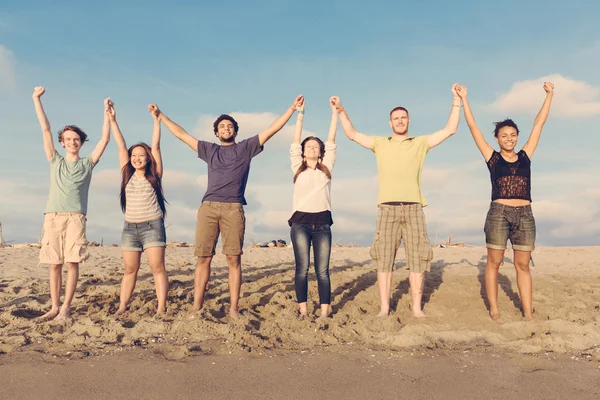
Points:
(48, 254)
(425, 250)
(375, 247)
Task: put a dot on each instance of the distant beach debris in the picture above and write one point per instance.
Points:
(450, 244)
(271, 243)
(2, 242)
(179, 244)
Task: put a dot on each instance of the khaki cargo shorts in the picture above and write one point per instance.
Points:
(396, 223)
(63, 238)
(216, 217)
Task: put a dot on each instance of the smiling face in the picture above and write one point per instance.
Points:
(139, 158)
(71, 142)
(399, 122)
(312, 150)
(226, 131)
(507, 138)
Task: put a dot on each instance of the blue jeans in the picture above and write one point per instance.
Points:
(143, 235)
(320, 236)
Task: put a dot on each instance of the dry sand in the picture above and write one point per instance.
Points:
(566, 301)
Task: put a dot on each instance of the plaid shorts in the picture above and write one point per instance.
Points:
(394, 224)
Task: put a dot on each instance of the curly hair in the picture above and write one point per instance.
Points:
(82, 135)
(502, 124)
(229, 118)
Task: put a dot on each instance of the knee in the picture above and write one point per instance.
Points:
(56, 267)
(522, 266)
(203, 262)
(157, 269)
(494, 262)
(130, 270)
(72, 266)
(233, 261)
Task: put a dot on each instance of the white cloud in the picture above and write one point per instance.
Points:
(249, 124)
(8, 75)
(458, 197)
(572, 98)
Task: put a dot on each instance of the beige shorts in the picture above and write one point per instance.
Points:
(215, 217)
(397, 223)
(63, 239)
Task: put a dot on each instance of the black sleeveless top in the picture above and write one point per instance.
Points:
(510, 180)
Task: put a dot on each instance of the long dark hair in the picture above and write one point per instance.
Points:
(320, 165)
(151, 175)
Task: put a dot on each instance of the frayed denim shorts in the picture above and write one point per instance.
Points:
(512, 223)
(143, 235)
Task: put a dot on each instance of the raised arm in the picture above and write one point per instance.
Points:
(119, 139)
(334, 119)
(540, 120)
(280, 122)
(365, 141)
(175, 129)
(451, 126)
(483, 146)
(156, 140)
(101, 146)
(299, 119)
(49, 148)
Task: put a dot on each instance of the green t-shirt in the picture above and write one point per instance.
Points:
(69, 184)
(400, 165)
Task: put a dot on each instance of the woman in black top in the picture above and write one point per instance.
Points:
(510, 215)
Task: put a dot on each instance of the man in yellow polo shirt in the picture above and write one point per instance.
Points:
(400, 216)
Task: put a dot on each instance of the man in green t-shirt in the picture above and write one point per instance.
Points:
(400, 216)
(63, 240)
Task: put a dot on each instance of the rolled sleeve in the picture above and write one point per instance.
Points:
(296, 156)
(329, 158)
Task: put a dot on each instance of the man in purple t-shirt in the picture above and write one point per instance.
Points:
(222, 205)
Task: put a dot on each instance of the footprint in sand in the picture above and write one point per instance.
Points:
(28, 314)
(128, 324)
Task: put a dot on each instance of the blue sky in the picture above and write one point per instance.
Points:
(197, 60)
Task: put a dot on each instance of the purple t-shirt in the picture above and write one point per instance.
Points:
(228, 169)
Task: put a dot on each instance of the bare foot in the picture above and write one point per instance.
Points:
(325, 312)
(235, 314)
(419, 314)
(193, 310)
(120, 311)
(62, 315)
(529, 317)
(496, 317)
(383, 313)
(49, 315)
(160, 310)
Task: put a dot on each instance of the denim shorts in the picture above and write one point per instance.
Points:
(508, 222)
(143, 235)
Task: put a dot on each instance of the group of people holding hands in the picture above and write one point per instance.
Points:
(400, 217)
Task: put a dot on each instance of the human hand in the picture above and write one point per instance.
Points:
(549, 87)
(461, 91)
(336, 103)
(38, 92)
(153, 110)
(298, 102)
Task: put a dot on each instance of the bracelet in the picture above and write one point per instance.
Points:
(340, 110)
(300, 111)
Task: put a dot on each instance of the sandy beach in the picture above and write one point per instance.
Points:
(566, 302)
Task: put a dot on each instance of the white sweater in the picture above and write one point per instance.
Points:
(312, 188)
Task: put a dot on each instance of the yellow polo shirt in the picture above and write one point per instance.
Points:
(400, 165)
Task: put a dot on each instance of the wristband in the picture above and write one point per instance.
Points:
(300, 111)
(340, 110)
